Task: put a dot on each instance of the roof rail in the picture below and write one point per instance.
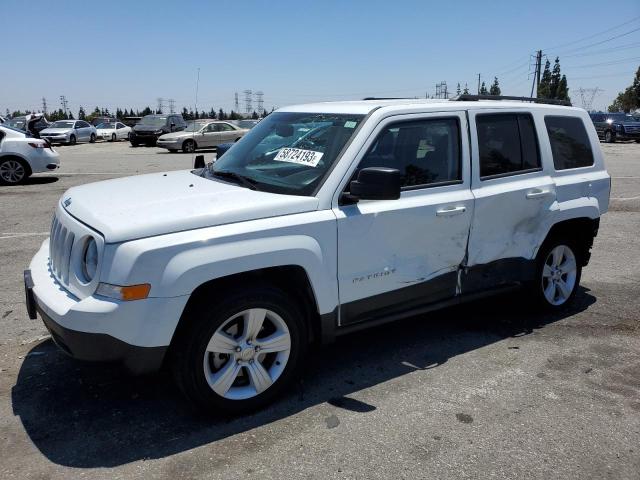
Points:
(389, 98)
(472, 98)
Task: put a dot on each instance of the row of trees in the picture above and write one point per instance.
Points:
(120, 113)
(494, 89)
(629, 99)
(553, 85)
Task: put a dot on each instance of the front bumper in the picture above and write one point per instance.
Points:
(56, 138)
(173, 144)
(136, 334)
(145, 137)
(628, 135)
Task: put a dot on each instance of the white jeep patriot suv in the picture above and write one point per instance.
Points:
(324, 219)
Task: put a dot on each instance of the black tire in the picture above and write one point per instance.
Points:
(609, 137)
(113, 137)
(134, 144)
(189, 146)
(202, 321)
(72, 140)
(92, 138)
(129, 136)
(638, 140)
(538, 285)
(10, 162)
(172, 150)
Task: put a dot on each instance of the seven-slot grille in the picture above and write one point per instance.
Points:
(60, 244)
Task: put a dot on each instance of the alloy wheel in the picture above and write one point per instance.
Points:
(12, 171)
(559, 274)
(247, 354)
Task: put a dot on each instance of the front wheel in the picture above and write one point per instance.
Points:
(558, 273)
(189, 146)
(113, 137)
(72, 140)
(241, 352)
(609, 137)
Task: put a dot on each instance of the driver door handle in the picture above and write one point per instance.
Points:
(448, 211)
(537, 193)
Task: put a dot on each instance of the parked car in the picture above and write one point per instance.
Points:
(151, 127)
(380, 210)
(616, 126)
(21, 154)
(33, 123)
(113, 131)
(201, 134)
(95, 121)
(70, 132)
(247, 124)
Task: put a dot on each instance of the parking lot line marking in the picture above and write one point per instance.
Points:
(5, 235)
(626, 198)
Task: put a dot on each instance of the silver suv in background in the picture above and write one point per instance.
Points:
(151, 127)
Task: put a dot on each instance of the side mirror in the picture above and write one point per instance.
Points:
(376, 183)
(199, 162)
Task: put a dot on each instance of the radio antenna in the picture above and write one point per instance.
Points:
(193, 130)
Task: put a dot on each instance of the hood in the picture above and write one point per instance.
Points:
(55, 130)
(178, 135)
(154, 204)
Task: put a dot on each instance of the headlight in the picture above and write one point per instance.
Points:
(159, 132)
(90, 259)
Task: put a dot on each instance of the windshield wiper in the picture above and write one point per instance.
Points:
(246, 181)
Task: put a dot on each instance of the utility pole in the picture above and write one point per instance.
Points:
(478, 84)
(172, 105)
(536, 74)
(44, 106)
(587, 95)
(64, 102)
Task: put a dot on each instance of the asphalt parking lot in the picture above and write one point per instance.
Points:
(481, 391)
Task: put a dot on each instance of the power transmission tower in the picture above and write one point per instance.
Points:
(260, 100)
(172, 105)
(160, 105)
(44, 105)
(478, 84)
(64, 103)
(441, 90)
(247, 101)
(587, 95)
(236, 103)
(536, 75)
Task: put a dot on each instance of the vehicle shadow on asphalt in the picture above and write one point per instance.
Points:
(40, 180)
(92, 415)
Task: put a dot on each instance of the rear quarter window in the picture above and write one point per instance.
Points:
(570, 144)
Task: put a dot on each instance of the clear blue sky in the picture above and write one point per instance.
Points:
(129, 53)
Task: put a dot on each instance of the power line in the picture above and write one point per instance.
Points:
(619, 74)
(602, 64)
(601, 41)
(593, 35)
(606, 50)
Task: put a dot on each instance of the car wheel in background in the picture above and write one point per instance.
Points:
(609, 137)
(189, 146)
(92, 138)
(13, 171)
(72, 140)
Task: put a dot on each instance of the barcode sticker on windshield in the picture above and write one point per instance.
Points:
(299, 156)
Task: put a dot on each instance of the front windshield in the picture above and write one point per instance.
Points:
(106, 126)
(153, 121)
(289, 153)
(17, 123)
(62, 124)
(194, 126)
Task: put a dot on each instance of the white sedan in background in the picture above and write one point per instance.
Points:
(21, 155)
(113, 131)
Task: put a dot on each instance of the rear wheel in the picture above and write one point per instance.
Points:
(13, 171)
(240, 352)
(189, 146)
(558, 273)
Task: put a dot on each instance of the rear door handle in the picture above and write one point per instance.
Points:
(537, 193)
(445, 212)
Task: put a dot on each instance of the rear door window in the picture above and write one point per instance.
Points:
(570, 145)
(507, 144)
